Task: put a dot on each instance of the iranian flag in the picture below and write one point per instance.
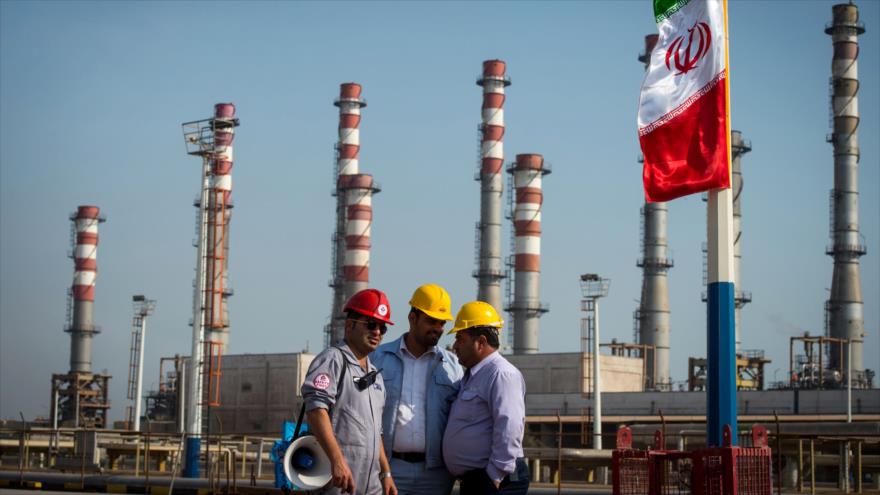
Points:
(683, 107)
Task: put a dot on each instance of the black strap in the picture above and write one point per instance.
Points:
(302, 410)
(344, 367)
(299, 421)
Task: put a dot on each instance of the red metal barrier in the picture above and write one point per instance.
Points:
(725, 470)
(732, 470)
(629, 466)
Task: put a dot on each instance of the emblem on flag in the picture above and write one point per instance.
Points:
(690, 59)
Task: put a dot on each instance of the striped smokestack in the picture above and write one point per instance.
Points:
(844, 308)
(528, 172)
(81, 326)
(655, 262)
(347, 149)
(489, 271)
(354, 213)
(219, 211)
(359, 189)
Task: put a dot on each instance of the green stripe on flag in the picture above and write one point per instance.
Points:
(663, 9)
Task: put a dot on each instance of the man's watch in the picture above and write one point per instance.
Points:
(383, 475)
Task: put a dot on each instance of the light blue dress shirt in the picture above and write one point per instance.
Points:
(442, 388)
(487, 420)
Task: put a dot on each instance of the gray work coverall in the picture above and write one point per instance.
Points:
(356, 415)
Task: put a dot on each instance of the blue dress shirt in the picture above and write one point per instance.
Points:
(487, 420)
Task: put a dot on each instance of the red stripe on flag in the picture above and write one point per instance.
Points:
(688, 154)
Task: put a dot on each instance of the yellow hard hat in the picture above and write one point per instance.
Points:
(476, 314)
(432, 300)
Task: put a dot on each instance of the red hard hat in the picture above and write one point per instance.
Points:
(372, 303)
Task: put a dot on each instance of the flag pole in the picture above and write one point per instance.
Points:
(721, 380)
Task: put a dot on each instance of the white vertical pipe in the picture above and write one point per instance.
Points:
(181, 396)
(597, 382)
(194, 382)
(849, 384)
(55, 409)
(845, 446)
(140, 375)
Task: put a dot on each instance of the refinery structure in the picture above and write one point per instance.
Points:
(206, 391)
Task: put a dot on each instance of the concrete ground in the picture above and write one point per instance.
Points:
(53, 482)
(11, 482)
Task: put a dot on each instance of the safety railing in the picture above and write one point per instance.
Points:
(717, 470)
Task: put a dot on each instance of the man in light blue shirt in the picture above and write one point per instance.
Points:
(421, 381)
(483, 441)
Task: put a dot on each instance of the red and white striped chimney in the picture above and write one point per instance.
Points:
(354, 193)
(359, 190)
(528, 172)
(350, 104)
(489, 271)
(81, 326)
(219, 212)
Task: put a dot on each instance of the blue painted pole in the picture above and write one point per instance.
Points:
(721, 363)
(193, 448)
(721, 323)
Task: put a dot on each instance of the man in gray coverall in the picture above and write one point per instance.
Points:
(345, 396)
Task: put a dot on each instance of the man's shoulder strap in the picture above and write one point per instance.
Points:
(342, 372)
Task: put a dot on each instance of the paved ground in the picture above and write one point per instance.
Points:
(54, 482)
(538, 491)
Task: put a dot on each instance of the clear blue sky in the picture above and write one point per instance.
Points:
(92, 95)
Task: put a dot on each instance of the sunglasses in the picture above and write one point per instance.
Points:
(372, 325)
(365, 381)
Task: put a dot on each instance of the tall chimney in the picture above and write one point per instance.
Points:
(351, 240)
(80, 397)
(219, 211)
(844, 308)
(655, 262)
(81, 326)
(359, 189)
(738, 148)
(489, 271)
(528, 172)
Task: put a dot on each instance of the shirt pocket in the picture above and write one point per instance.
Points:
(471, 405)
(441, 377)
(391, 380)
(445, 390)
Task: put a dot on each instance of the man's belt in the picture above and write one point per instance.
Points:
(409, 456)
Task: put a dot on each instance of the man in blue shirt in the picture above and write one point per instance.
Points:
(421, 381)
(483, 441)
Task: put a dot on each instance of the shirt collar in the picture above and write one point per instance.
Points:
(349, 356)
(477, 367)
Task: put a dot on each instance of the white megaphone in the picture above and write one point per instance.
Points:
(306, 464)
